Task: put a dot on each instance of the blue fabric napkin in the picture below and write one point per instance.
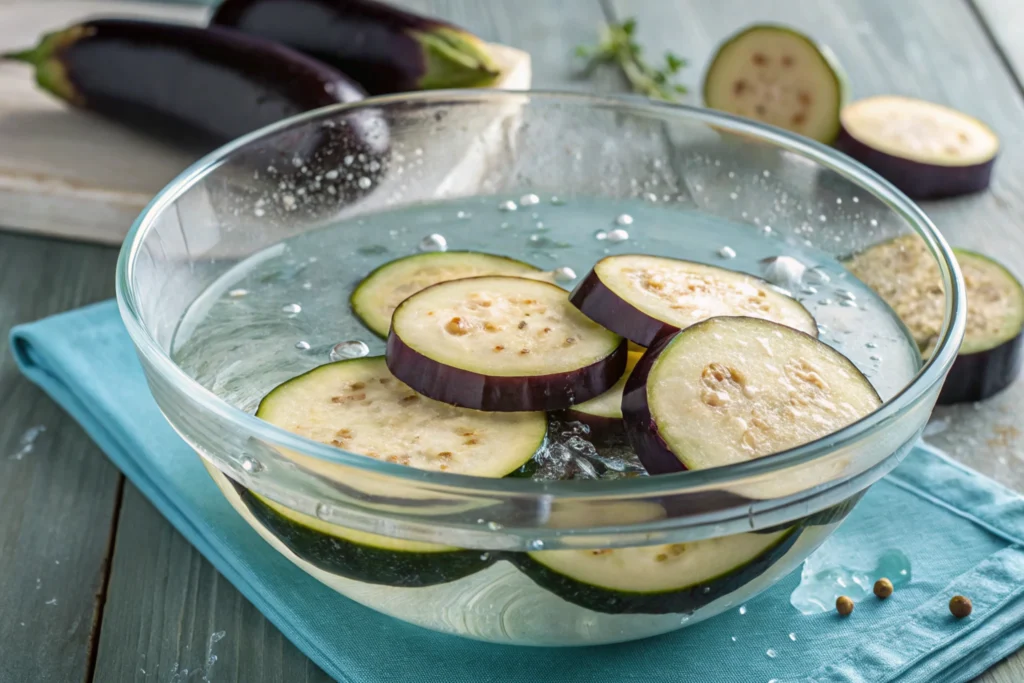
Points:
(961, 532)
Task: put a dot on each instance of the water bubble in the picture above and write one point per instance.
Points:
(434, 242)
(825, 302)
(291, 309)
(600, 235)
(618, 235)
(705, 590)
(307, 285)
(732, 638)
(539, 225)
(766, 173)
(493, 526)
(623, 219)
(364, 183)
(650, 196)
(743, 609)
(504, 225)
(733, 195)
(288, 200)
(485, 556)
(302, 345)
(529, 200)
(875, 358)
(250, 464)
(258, 212)
(817, 276)
(766, 230)
(856, 199)
(784, 271)
(848, 304)
(536, 238)
(808, 290)
(792, 636)
(463, 215)
(557, 201)
(873, 223)
(822, 218)
(508, 205)
(771, 653)
(822, 330)
(871, 345)
(238, 293)
(846, 295)
(349, 349)
(732, 174)
(727, 252)
(323, 511)
(564, 274)
(536, 544)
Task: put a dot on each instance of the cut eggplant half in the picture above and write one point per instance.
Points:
(905, 274)
(677, 578)
(728, 390)
(359, 555)
(924, 149)
(358, 405)
(502, 344)
(603, 414)
(778, 76)
(378, 295)
(644, 298)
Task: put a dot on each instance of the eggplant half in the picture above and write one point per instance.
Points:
(384, 48)
(926, 150)
(502, 343)
(904, 273)
(733, 389)
(644, 297)
(197, 87)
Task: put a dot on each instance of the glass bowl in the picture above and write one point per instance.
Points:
(237, 277)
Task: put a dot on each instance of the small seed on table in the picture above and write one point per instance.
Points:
(883, 588)
(844, 606)
(960, 606)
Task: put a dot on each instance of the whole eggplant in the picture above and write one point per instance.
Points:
(201, 87)
(385, 49)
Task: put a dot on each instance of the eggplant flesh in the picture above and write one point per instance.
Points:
(198, 87)
(384, 48)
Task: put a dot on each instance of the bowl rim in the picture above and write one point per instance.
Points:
(932, 371)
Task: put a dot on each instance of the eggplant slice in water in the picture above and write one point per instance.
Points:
(904, 273)
(603, 414)
(502, 344)
(384, 48)
(644, 298)
(733, 389)
(925, 149)
(778, 76)
(198, 87)
(378, 295)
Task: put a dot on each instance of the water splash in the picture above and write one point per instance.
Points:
(822, 580)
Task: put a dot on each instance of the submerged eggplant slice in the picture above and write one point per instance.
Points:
(925, 149)
(904, 273)
(778, 76)
(358, 405)
(503, 344)
(377, 296)
(603, 414)
(647, 297)
(728, 390)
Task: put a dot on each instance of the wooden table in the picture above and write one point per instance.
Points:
(96, 586)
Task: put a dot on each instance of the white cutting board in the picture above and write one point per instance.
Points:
(72, 174)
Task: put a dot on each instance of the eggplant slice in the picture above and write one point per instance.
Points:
(502, 344)
(732, 389)
(646, 297)
(904, 273)
(359, 406)
(377, 296)
(924, 149)
(778, 76)
(603, 414)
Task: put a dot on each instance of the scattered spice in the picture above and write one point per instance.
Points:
(960, 607)
(844, 606)
(883, 588)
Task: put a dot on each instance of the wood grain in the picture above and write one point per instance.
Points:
(57, 500)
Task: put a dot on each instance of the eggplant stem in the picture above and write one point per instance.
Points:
(28, 56)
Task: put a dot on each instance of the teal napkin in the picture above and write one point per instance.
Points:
(961, 532)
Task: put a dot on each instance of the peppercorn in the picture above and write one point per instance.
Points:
(844, 606)
(960, 606)
(883, 588)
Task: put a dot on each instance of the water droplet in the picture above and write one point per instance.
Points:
(564, 274)
(792, 636)
(539, 225)
(873, 223)
(771, 653)
(485, 556)
(876, 358)
(743, 609)
(238, 293)
(732, 174)
(705, 590)
(258, 212)
(871, 345)
(323, 511)
(618, 235)
(856, 199)
(536, 238)
(504, 225)
(903, 572)
(623, 219)
(733, 639)
(364, 183)
(808, 290)
(493, 526)
(463, 215)
(507, 206)
(291, 309)
(600, 235)
(251, 464)
(817, 276)
(825, 302)
(766, 173)
(727, 252)
(534, 215)
(838, 200)
(349, 349)
(848, 304)
(822, 218)
(536, 544)
(650, 196)
(307, 285)
(733, 195)
(302, 345)
(846, 295)
(766, 230)
(557, 201)
(529, 200)
(434, 242)
(784, 271)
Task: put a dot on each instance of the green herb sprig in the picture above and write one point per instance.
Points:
(618, 46)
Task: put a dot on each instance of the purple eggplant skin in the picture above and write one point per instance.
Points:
(916, 179)
(641, 429)
(384, 48)
(599, 303)
(198, 87)
(980, 375)
(467, 389)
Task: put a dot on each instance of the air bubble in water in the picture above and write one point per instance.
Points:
(507, 206)
(875, 358)
(624, 219)
(539, 225)
(873, 223)
(784, 271)
(600, 235)
(536, 545)
(618, 235)
(557, 201)
(846, 295)
(307, 285)
(434, 242)
(292, 309)
(463, 215)
(529, 200)
(705, 590)
(485, 556)
(251, 464)
(871, 345)
(727, 252)
(238, 293)
(323, 511)
(817, 276)
(493, 526)
(808, 290)
(364, 183)
(349, 349)
(564, 274)
(825, 302)
(302, 345)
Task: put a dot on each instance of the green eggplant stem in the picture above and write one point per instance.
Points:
(29, 56)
